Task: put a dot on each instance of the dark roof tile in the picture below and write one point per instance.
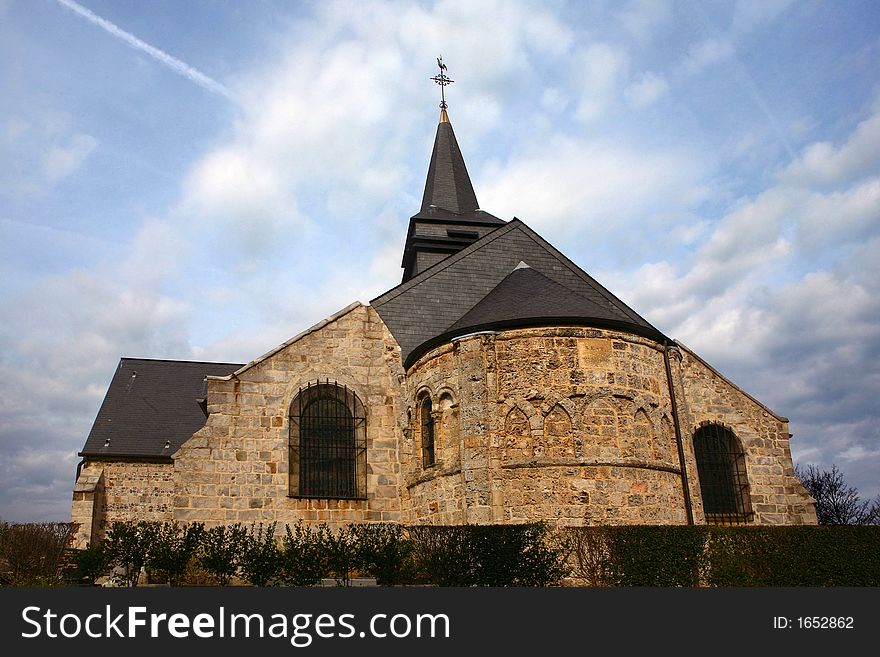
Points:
(150, 403)
(427, 306)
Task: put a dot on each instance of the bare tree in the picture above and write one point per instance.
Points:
(836, 502)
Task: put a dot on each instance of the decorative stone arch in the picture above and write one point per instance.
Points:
(536, 420)
(447, 439)
(665, 447)
(638, 437)
(641, 429)
(447, 392)
(555, 399)
(600, 426)
(557, 440)
(421, 392)
(518, 421)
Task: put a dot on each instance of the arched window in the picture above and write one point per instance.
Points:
(721, 465)
(328, 443)
(427, 422)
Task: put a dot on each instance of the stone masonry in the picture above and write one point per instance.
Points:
(566, 424)
(574, 425)
(236, 468)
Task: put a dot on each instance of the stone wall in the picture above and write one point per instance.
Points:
(563, 424)
(575, 425)
(111, 491)
(235, 469)
(434, 495)
(572, 425)
(86, 508)
(777, 496)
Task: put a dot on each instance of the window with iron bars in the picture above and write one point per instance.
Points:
(427, 433)
(721, 466)
(328, 443)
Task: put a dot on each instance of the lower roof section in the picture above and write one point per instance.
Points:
(151, 408)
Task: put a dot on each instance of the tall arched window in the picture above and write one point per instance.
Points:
(328, 443)
(427, 422)
(721, 465)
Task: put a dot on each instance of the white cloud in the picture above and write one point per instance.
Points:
(62, 160)
(838, 218)
(60, 341)
(643, 19)
(581, 187)
(314, 147)
(598, 72)
(647, 89)
(706, 53)
(823, 164)
(554, 100)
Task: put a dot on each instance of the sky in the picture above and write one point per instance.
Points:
(202, 180)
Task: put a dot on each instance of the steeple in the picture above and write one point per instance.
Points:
(448, 186)
(450, 217)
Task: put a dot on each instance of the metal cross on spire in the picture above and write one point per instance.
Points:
(442, 79)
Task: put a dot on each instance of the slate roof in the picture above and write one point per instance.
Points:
(448, 199)
(430, 308)
(448, 185)
(148, 403)
(526, 294)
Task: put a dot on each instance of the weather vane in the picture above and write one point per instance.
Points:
(442, 79)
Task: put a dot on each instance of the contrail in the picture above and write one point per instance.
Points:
(179, 67)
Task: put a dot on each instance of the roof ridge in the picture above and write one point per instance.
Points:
(176, 360)
(522, 269)
(436, 268)
(583, 275)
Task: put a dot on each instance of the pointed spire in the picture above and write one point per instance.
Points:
(448, 186)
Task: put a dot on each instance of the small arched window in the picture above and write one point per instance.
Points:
(721, 465)
(427, 426)
(328, 445)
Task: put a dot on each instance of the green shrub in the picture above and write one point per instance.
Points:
(92, 562)
(487, 555)
(656, 555)
(173, 547)
(442, 555)
(794, 556)
(260, 555)
(221, 551)
(514, 555)
(726, 556)
(383, 551)
(342, 553)
(304, 560)
(128, 545)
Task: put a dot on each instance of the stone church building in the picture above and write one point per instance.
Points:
(498, 383)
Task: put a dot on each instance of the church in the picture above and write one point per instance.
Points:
(497, 383)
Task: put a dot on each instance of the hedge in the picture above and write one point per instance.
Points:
(465, 555)
(726, 556)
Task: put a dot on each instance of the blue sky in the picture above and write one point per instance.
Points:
(202, 180)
